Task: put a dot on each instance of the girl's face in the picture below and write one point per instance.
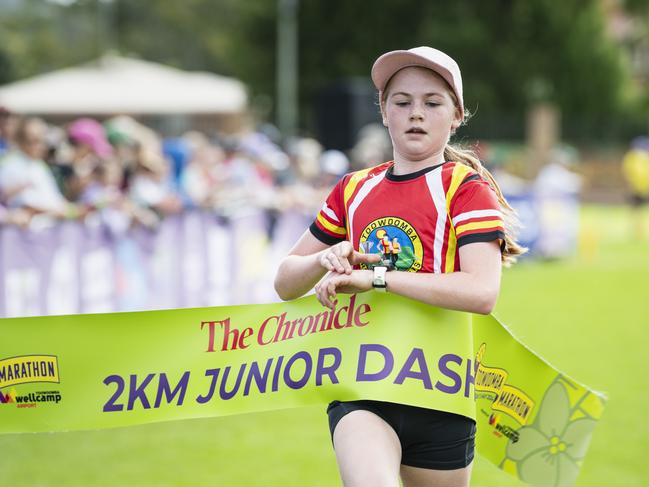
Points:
(420, 114)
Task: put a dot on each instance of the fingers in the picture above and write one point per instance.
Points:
(366, 258)
(326, 291)
(336, 263)
(330, 294)
(342, 258)
(336, 259)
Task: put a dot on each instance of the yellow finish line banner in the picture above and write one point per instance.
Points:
(65, 373)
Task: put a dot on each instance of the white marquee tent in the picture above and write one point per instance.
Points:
(118, 85)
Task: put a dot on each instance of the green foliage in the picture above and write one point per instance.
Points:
(6, 68)
(512, 52)
(638, 7)
(182, 34)
(41, 37)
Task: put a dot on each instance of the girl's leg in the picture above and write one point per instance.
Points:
(423, 477)
(367, 450)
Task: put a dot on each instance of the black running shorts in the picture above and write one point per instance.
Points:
(429, 439)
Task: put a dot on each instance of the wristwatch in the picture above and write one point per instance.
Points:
(378, 282)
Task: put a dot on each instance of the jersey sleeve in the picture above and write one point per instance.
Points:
(476, 214)
(329, 225)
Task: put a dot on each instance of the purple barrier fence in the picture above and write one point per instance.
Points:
(97, 269)
(191, 260)
(63, 261)
(28, 259)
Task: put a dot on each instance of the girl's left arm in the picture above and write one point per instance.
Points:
(474, 288)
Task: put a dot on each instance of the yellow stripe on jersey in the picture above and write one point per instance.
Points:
(352, 183)
(460, 171)
(351, 186)
(478, 225)
(330, 226)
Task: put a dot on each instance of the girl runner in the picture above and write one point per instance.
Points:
(455, 231)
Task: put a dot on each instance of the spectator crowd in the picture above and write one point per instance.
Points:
(126, 174)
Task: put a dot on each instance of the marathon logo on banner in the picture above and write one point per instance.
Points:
(28, 368)
(507, 399)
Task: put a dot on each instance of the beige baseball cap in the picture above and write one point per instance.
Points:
(389, 63)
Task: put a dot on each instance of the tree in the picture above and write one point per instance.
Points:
(6, 69)
(512, 52)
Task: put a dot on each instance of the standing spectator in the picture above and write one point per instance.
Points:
(373, 144)
(635, 168)
(302, 194)
(150, 186)
(333, 166)
(125, 150)
(557, 189)
(6, 126)
(203, 177)
(129, 138)
(25, 179)
(90, 148)
(245, 188)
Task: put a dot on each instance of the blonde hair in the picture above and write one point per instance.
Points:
(467, 157)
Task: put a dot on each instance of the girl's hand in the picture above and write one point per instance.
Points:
(357, 281)
(342, 257)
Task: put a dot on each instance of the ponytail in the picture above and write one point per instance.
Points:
(511, 223)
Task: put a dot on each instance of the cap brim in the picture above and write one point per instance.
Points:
(388, 64)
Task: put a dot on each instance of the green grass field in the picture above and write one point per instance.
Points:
(588, 316)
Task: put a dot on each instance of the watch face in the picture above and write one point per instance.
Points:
(379, 277)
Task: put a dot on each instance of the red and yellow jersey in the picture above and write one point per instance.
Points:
(431, 213)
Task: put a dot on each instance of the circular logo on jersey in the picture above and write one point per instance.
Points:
(396, 241)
